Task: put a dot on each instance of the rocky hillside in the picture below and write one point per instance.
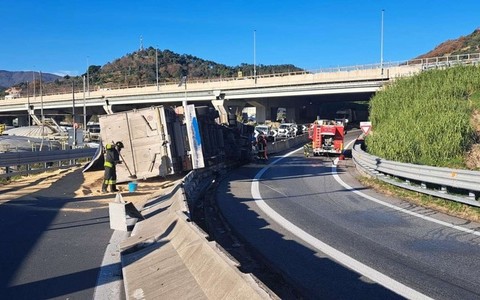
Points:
(462, 45)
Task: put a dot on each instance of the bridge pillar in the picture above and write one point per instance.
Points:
(260, 111)
(21, 121)
(228, 107)
(291, 114)
(107, 107)
(260, 114)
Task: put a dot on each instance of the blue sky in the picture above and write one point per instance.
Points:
(63, 37)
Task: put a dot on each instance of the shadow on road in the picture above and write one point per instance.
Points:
(47, 236)
(309, 273)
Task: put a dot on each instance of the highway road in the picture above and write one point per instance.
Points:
(52, 243)
(332, 238)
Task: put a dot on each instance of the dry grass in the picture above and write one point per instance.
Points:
(472, 159)
(451, 208)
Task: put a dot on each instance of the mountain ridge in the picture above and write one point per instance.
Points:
(12, 78)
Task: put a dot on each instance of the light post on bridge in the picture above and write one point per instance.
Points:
(74, 124)
(84, 108)
(381, 43)
(254, 57)
(156, 65)
(88, 78)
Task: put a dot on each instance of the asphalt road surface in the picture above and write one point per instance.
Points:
(52, 246)
(331, 238)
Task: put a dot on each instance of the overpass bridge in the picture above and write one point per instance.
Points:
(300, 93)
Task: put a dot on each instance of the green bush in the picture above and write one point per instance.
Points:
(425, 119)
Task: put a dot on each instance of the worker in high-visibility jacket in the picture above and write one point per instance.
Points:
(112, 158)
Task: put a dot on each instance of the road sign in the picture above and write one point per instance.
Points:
(366, 126)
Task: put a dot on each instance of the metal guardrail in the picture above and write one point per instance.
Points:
(23, 163)
(451, 184)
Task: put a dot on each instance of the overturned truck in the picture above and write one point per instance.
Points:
(163, 141)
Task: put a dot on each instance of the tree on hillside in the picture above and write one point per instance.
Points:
(139, 69)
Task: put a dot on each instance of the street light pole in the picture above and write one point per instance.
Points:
(185, 100)
(41, 108)
(41, 101)
(84, 108)
(381, 44)
(156, 64)
(74, 124)
(88, 78)
(34, 85)
(28, 106)
(254, 57)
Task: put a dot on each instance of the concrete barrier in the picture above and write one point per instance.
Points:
(282, 145)
(169, 257)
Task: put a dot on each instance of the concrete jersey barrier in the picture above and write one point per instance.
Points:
(168, 257)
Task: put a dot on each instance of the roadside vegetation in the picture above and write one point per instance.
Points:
(452, 208)
(429, 119)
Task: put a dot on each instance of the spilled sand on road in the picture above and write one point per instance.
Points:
(73, 183)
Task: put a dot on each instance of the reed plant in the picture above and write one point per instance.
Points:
(426, 119)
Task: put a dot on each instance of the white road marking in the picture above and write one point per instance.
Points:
(406, 211)
(337, 255)
(109, 281)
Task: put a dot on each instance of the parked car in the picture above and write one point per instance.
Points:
(267, 131)
(287, 130)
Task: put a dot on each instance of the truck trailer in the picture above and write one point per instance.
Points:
(164, 141)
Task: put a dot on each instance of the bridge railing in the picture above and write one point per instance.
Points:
(24, 163)
(421, 63)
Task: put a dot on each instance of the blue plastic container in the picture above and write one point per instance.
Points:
(132, 186)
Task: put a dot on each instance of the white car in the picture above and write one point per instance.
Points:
(287, 130)
(267, 131)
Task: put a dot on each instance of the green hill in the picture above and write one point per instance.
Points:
(429, 119)
(139, 69)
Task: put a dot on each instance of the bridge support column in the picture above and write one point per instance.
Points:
(291, 113)
(228, 109)
(260, 111)
(260, 114)
(21, 121)
(107, 107)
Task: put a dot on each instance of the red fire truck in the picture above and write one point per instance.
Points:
(327, 137)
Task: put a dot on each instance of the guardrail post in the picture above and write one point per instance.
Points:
(443, 190)
(471, 195)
